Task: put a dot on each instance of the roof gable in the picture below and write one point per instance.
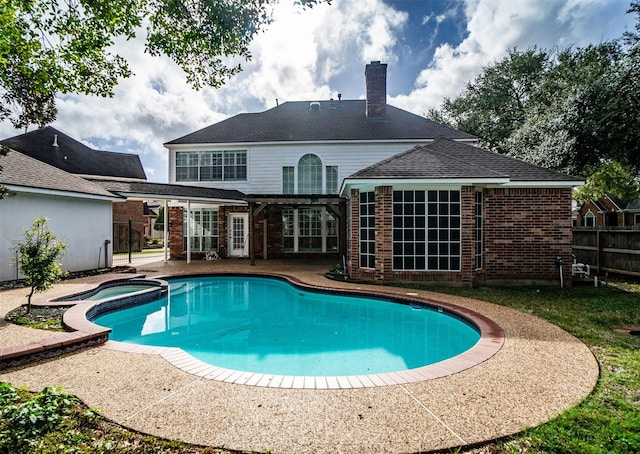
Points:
(59, 150)
(307, 121)
(448, 159)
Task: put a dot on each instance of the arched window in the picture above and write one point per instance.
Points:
(589, 219)
(309, 175)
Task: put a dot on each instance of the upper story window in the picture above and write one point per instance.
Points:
(226, 165)
(288, 180)
(310, 175)
(332, 179)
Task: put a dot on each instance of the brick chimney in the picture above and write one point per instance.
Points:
(375, 74)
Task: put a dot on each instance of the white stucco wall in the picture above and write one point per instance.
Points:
(83, 223)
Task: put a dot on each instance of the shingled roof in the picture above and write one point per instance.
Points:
(448, 159)
(305, 121)
(74, 157)
(163, 191)
(23, 171)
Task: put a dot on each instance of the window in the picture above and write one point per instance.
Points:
(367, 231)
(479, 231)
(309, 229)
(204, 229)
(426, 230)
(332, 179)
(309, 175)
(187, 166)
(288, 182)
(589, 219)
(636, 219)
(228, 165)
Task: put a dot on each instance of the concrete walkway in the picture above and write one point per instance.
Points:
(540, 371)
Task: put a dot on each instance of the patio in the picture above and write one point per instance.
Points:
(540, 371)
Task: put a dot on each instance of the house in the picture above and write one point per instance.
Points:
(609, 211)
(290, 161)
(37, 189)
(396, 196)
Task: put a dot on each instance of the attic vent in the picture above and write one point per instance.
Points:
(314, 105)
(55, 140)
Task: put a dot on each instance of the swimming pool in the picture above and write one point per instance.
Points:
(269, 326)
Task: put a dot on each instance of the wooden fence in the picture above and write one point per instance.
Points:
(608, 250)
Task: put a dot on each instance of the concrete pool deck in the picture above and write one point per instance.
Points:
(540, 371)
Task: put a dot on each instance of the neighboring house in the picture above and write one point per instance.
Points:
(334, 179)
(55, 148)
(609, 211)
(39, 190)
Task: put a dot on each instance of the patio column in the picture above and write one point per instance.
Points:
(188, 231)
(166, 230)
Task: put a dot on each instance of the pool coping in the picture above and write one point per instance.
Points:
(83, 333)
(490, 342)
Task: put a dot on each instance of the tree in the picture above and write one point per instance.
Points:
(158, 224)
(613, 179)
(572, 111)
(50, 47)
(39, 258)
(495, 103)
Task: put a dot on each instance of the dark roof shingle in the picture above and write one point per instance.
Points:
(21, 170)
(74, 157)
(333, 120)
(448, 159)
(164, 191)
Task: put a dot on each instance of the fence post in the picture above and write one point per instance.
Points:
(599, 248)
(130, 238)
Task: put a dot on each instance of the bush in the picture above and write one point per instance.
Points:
(23, 422)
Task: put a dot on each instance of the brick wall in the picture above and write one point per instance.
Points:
(376, 86)
(132, 209)
(384, 233)
(524, 231)
(175, 232)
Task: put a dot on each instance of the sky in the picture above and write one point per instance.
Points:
(432, 48)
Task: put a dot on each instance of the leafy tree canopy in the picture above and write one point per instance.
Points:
(50, 47)
(576, 110)
(613, 179)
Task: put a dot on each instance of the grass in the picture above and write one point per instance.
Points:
(52, 421)
(608, 421)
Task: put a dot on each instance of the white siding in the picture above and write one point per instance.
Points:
(265, 162)
(84, 224)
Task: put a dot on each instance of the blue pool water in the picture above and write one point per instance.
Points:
(110, 292)
(266, 325)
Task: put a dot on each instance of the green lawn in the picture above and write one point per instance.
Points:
(608, 421)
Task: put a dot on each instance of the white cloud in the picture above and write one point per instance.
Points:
(494, 26)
